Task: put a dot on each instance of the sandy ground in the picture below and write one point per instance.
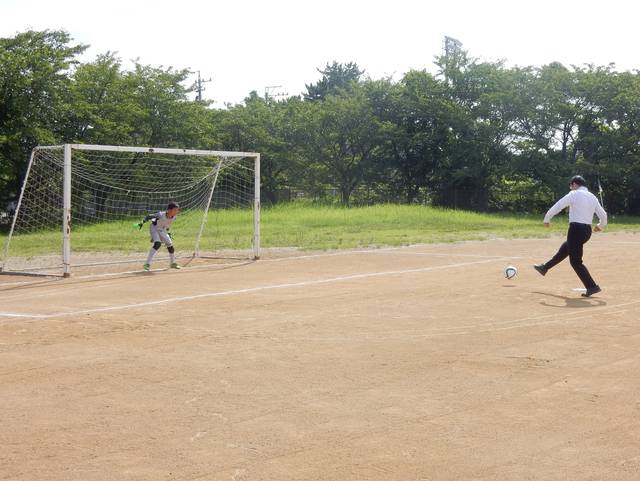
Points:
(420, 363)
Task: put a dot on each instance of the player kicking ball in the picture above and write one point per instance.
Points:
(582, 206)
(159, 230)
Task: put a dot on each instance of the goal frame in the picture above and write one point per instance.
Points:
(67, 211)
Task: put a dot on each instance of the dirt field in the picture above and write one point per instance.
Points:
(416, 363)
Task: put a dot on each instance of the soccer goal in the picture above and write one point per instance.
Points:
(79, 204)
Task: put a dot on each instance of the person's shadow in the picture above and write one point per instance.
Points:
(573, 302)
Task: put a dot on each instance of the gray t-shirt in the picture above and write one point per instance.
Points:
(160, 220)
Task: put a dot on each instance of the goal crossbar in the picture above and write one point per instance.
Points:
(150, 150)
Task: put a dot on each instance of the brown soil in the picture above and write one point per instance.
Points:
(418, 363)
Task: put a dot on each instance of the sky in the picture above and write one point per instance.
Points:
(245, 45)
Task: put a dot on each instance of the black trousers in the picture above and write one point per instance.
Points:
(577, 236)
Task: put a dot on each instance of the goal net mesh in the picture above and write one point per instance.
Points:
(113, 190)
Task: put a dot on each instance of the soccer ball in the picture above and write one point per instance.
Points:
(510, 272)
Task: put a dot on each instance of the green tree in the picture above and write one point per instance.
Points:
(104, 109)
(161, 97)
(609, 136)
(34, 99)
(341, 135)
(416, 131)
(335, 77)
(147, 106)
(481, 121)
(265, 126)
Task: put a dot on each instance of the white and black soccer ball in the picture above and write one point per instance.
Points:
(510, 272)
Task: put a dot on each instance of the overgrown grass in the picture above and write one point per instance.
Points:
(313, 227)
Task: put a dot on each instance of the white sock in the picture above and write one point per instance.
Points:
(172, 257)
(152, 252)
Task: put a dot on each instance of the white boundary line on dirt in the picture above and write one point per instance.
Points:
(170, 300)
(381, 250)
(462, 331)
(21, 283)
(384, 250)
(125, 273)
(438, 254)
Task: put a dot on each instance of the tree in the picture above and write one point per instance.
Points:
(416, 131)
(161, 97)
(341, 135)
(609, 135)
(335, 77)
(481, 119)
(34, 99)
(265, 126)
(104, 111)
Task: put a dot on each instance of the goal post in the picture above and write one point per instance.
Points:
(66, 212)
(256, 203)
(78, 204)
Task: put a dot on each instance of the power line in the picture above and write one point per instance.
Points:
(269, 88)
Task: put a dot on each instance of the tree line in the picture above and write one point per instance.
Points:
(475, 135)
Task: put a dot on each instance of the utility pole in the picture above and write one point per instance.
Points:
(199, 87)
(451, 48)
(269, 88)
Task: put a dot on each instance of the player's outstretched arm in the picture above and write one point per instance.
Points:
(145, 219)
(556, 208)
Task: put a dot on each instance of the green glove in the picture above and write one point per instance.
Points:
(137, 225)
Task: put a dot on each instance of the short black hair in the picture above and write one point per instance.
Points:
(172, 205)
(578, 179)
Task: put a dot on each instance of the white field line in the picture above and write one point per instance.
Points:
(515, 323)
(328, 280)
(382, 250)
(310, 256)
(303, 257)
(119, 274)
(438, 254)
(211, 266)
(24, 283)
(578, 317)
(468, 330)
(533, 321)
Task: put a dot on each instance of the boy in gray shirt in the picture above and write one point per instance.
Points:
(159, 230)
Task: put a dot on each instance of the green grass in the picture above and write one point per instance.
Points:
(313, 227)
(335, 227)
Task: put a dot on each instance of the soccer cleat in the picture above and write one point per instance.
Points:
(174, 266)
(146, 267)
(591, 291)
(541, 269)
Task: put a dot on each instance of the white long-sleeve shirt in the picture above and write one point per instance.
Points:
(582, 205)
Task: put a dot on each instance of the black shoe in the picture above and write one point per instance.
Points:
(591, 291)
(541, 269)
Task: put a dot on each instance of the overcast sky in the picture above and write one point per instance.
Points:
(246, 45)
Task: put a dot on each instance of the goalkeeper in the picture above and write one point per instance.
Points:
(159, 230)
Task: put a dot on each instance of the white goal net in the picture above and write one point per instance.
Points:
(79, 205)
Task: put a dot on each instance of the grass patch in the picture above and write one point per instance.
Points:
(332, 227)
(310, 227)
